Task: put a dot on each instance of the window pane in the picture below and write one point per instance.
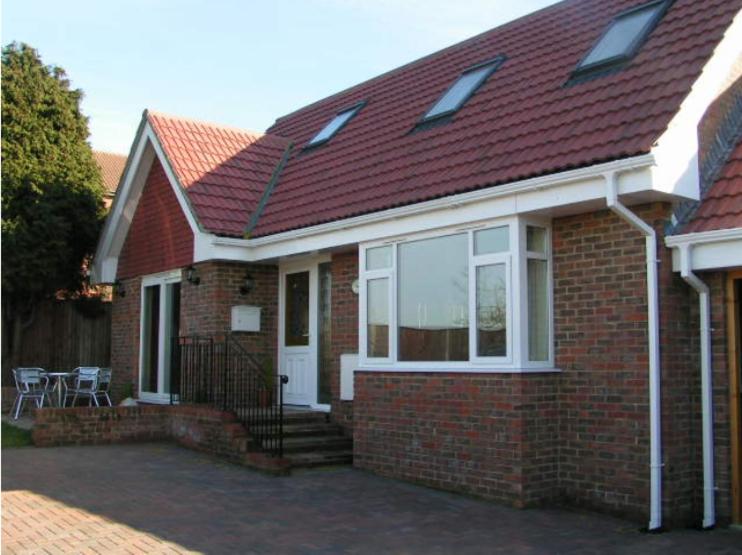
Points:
(377, 345)
(538, 310)
(433, 299)
(488, 241)
(491, 311)
(335, 124)
(296, 330)
(536, 239)
(172, 329)
(458, 93)
(324, 331)
(150, 338)
(379, 258)
(622, 34)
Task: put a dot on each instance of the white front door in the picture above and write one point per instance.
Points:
(298, 333)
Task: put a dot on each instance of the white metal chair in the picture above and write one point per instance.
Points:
(85, 384)
(31, 383)
(104, 385)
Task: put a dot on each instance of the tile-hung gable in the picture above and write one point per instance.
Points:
(524, 120)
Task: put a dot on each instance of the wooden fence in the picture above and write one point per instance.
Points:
(65, 334)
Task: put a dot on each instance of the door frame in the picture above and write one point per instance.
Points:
(305, 264)
(733, 362)
(162, 279)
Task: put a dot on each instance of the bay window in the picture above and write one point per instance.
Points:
(462, 299)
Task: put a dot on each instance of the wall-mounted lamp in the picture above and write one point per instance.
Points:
(248, 284)
(118, 289)
(191, 276)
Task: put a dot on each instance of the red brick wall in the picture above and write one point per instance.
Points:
(344, 329)
(97, 426)
(491, 435)
(125, 338)
(206, 308)
(159, 238)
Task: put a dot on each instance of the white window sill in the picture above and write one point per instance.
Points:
(459, 370)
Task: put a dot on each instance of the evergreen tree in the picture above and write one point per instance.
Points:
(52, 206)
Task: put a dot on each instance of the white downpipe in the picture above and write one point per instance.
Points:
(709, 511)
(655, 439)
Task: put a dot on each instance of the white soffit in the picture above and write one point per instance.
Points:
(676, 171)
(710, 250)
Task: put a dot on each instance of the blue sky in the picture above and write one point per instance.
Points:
(241, 63)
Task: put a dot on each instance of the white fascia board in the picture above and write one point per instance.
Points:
(146, 147)
(710, 250)
(676, 152)
(521, 197)
(119, 217)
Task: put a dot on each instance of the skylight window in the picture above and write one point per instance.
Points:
(465, 86)
(624, 36)
(335, 125)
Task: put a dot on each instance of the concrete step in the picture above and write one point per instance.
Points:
(303, 429)
(308, 444)
(320, 458)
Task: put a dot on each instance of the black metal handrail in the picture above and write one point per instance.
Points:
(218, 371)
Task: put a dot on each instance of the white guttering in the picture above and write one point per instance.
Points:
(338, 232)
(686, 272)
(655, 439)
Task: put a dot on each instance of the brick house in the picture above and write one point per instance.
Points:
(494, 266)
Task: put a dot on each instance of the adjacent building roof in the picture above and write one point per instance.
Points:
(225, 171)
(528, 119)
(721, 207)
(111, 167)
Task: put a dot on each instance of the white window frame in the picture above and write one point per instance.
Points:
(161, 279)
(515, 261)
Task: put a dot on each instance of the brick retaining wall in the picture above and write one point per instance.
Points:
(199, 428)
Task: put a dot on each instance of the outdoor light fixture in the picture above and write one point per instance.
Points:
(191, 276)
(118, 289)
(248, 284)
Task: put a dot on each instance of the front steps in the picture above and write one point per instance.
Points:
(311, 440)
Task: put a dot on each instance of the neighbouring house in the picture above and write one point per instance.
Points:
(511, 268)
(111, 169)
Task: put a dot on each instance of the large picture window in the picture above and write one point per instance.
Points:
(477, 298)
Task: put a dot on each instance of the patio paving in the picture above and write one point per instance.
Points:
(159, 498)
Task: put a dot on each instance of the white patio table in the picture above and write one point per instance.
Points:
(58, 385)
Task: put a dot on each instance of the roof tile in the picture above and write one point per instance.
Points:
(721, 207)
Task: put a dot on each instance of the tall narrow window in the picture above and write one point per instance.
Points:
(335, 125)
(538, 294)
(160, 326)
(623, 37)
(465, 86)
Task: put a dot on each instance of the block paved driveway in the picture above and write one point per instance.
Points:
(159, 498)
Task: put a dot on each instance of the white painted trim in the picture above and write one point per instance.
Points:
(543, 193)
(717, 249)
(514, 259)
(468, 369)
(676, 153)
(160, 279)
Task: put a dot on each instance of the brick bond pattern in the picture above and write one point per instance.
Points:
(580, 436)
(200, 428)
(160, 237)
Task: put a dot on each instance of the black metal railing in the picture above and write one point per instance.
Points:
(218, 371)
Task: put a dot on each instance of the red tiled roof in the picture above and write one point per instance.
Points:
(111, 167)
(523, 122)
(223, 170)
(721, 207)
